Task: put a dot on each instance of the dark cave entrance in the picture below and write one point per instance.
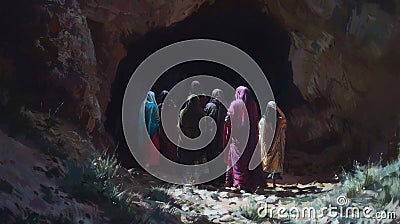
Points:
(239, 23)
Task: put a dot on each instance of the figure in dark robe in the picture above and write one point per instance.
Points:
(196, 89)
(216, 110)
(167, 108)
(188, 125)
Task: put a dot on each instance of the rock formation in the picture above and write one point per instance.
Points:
(61, 57)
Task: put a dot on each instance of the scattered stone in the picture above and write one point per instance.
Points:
(259, 198)
(189, 190)
(215, 196)
(218, 206)
(246, 195)
(370, 193)
(223, 212)
(223, 194)
(234, 199)
(230, 188)
(318, 190)
(185, 208)
(271, 199)
(202, 193)
(213, 218)
(226, 218)
(197, 204)
(210, 212)
(236, 214)
(279, 189)
(233, 194)
(193, 213)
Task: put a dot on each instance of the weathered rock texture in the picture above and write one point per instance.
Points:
(344, 62)
(64, 54)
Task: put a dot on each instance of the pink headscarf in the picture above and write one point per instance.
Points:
(243, 93)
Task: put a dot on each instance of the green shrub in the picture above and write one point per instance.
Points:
(383, 180)
(93, 184)
(250, 209)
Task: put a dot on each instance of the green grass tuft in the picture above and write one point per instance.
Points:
(373, 185)
(94, 184)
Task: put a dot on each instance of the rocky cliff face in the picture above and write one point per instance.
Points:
(343, 58)
(61, 57)
(64, 54)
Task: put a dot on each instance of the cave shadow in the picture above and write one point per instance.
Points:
(239, 23)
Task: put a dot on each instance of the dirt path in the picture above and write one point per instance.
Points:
(216, 204)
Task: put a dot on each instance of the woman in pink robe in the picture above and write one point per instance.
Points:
(239, 175)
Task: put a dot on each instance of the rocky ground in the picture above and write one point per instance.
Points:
(217, 204)
(47, 181)
(51, 173)
(213, 203)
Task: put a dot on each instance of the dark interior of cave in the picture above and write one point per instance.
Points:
(235, 22)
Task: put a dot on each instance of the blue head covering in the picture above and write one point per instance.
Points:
(151, 114)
